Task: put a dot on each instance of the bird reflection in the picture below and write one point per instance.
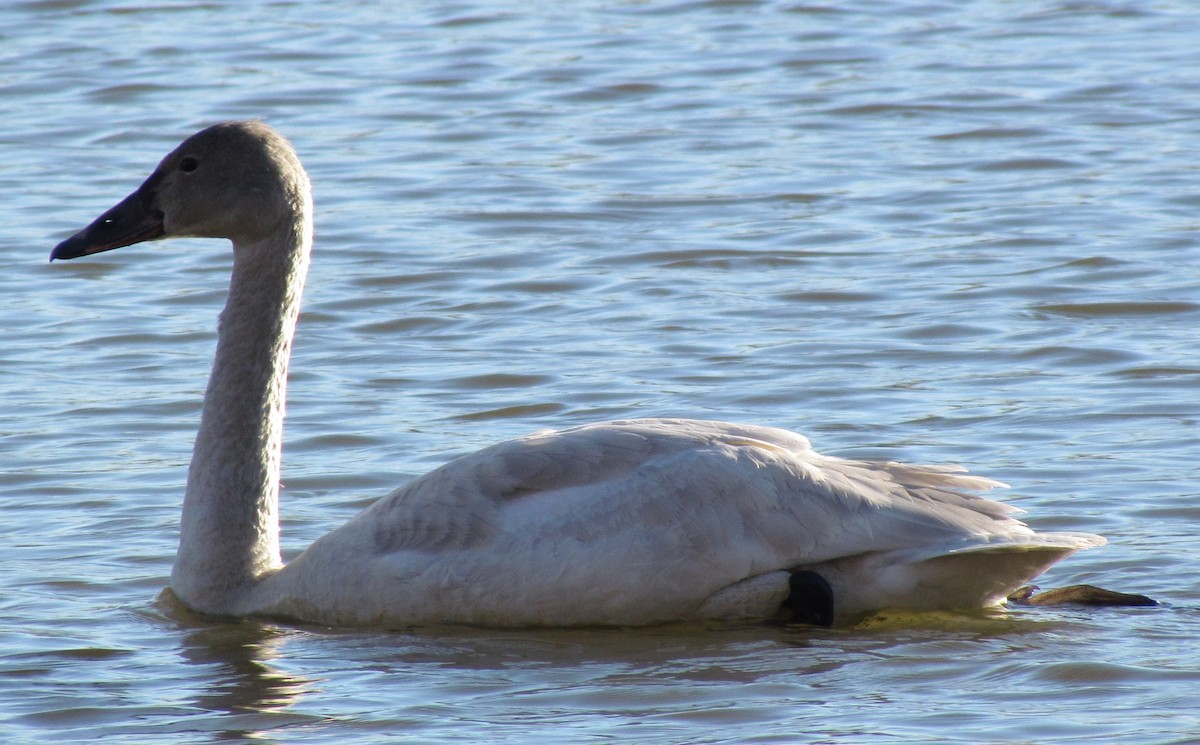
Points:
(253, 697)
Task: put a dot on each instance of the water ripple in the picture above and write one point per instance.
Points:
(927, 231)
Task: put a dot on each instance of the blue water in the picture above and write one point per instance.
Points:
(938, 232)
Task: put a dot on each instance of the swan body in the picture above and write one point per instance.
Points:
(627, 523)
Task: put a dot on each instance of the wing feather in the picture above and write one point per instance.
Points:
(644, 520)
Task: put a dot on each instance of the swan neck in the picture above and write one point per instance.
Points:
(229, 530)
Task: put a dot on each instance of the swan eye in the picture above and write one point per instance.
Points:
(189, 164)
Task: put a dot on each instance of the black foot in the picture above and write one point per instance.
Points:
(1078, 595)
(810, 600)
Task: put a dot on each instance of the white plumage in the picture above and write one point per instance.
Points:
(634, 522)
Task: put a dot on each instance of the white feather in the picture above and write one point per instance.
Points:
(633, 522)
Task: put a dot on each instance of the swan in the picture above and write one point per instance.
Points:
(620, 523)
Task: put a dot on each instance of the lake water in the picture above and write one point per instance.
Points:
(932, 231)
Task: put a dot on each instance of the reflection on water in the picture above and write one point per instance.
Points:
(656, 682)
(243, 680)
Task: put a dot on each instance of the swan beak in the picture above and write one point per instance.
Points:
(136, 219)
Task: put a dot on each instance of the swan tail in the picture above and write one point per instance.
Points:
(946, 578)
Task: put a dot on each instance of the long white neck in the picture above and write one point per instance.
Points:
(229, 530)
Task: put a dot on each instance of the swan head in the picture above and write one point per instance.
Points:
(235, 180)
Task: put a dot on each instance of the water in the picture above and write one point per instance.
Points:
(948, 232)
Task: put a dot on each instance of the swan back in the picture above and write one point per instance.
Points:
(646, 521)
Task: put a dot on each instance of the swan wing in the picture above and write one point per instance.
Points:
(586, 484)
(639, 522)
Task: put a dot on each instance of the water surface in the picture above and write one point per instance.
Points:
(941, 232)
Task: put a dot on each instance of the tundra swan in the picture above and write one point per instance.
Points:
(627, 522)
